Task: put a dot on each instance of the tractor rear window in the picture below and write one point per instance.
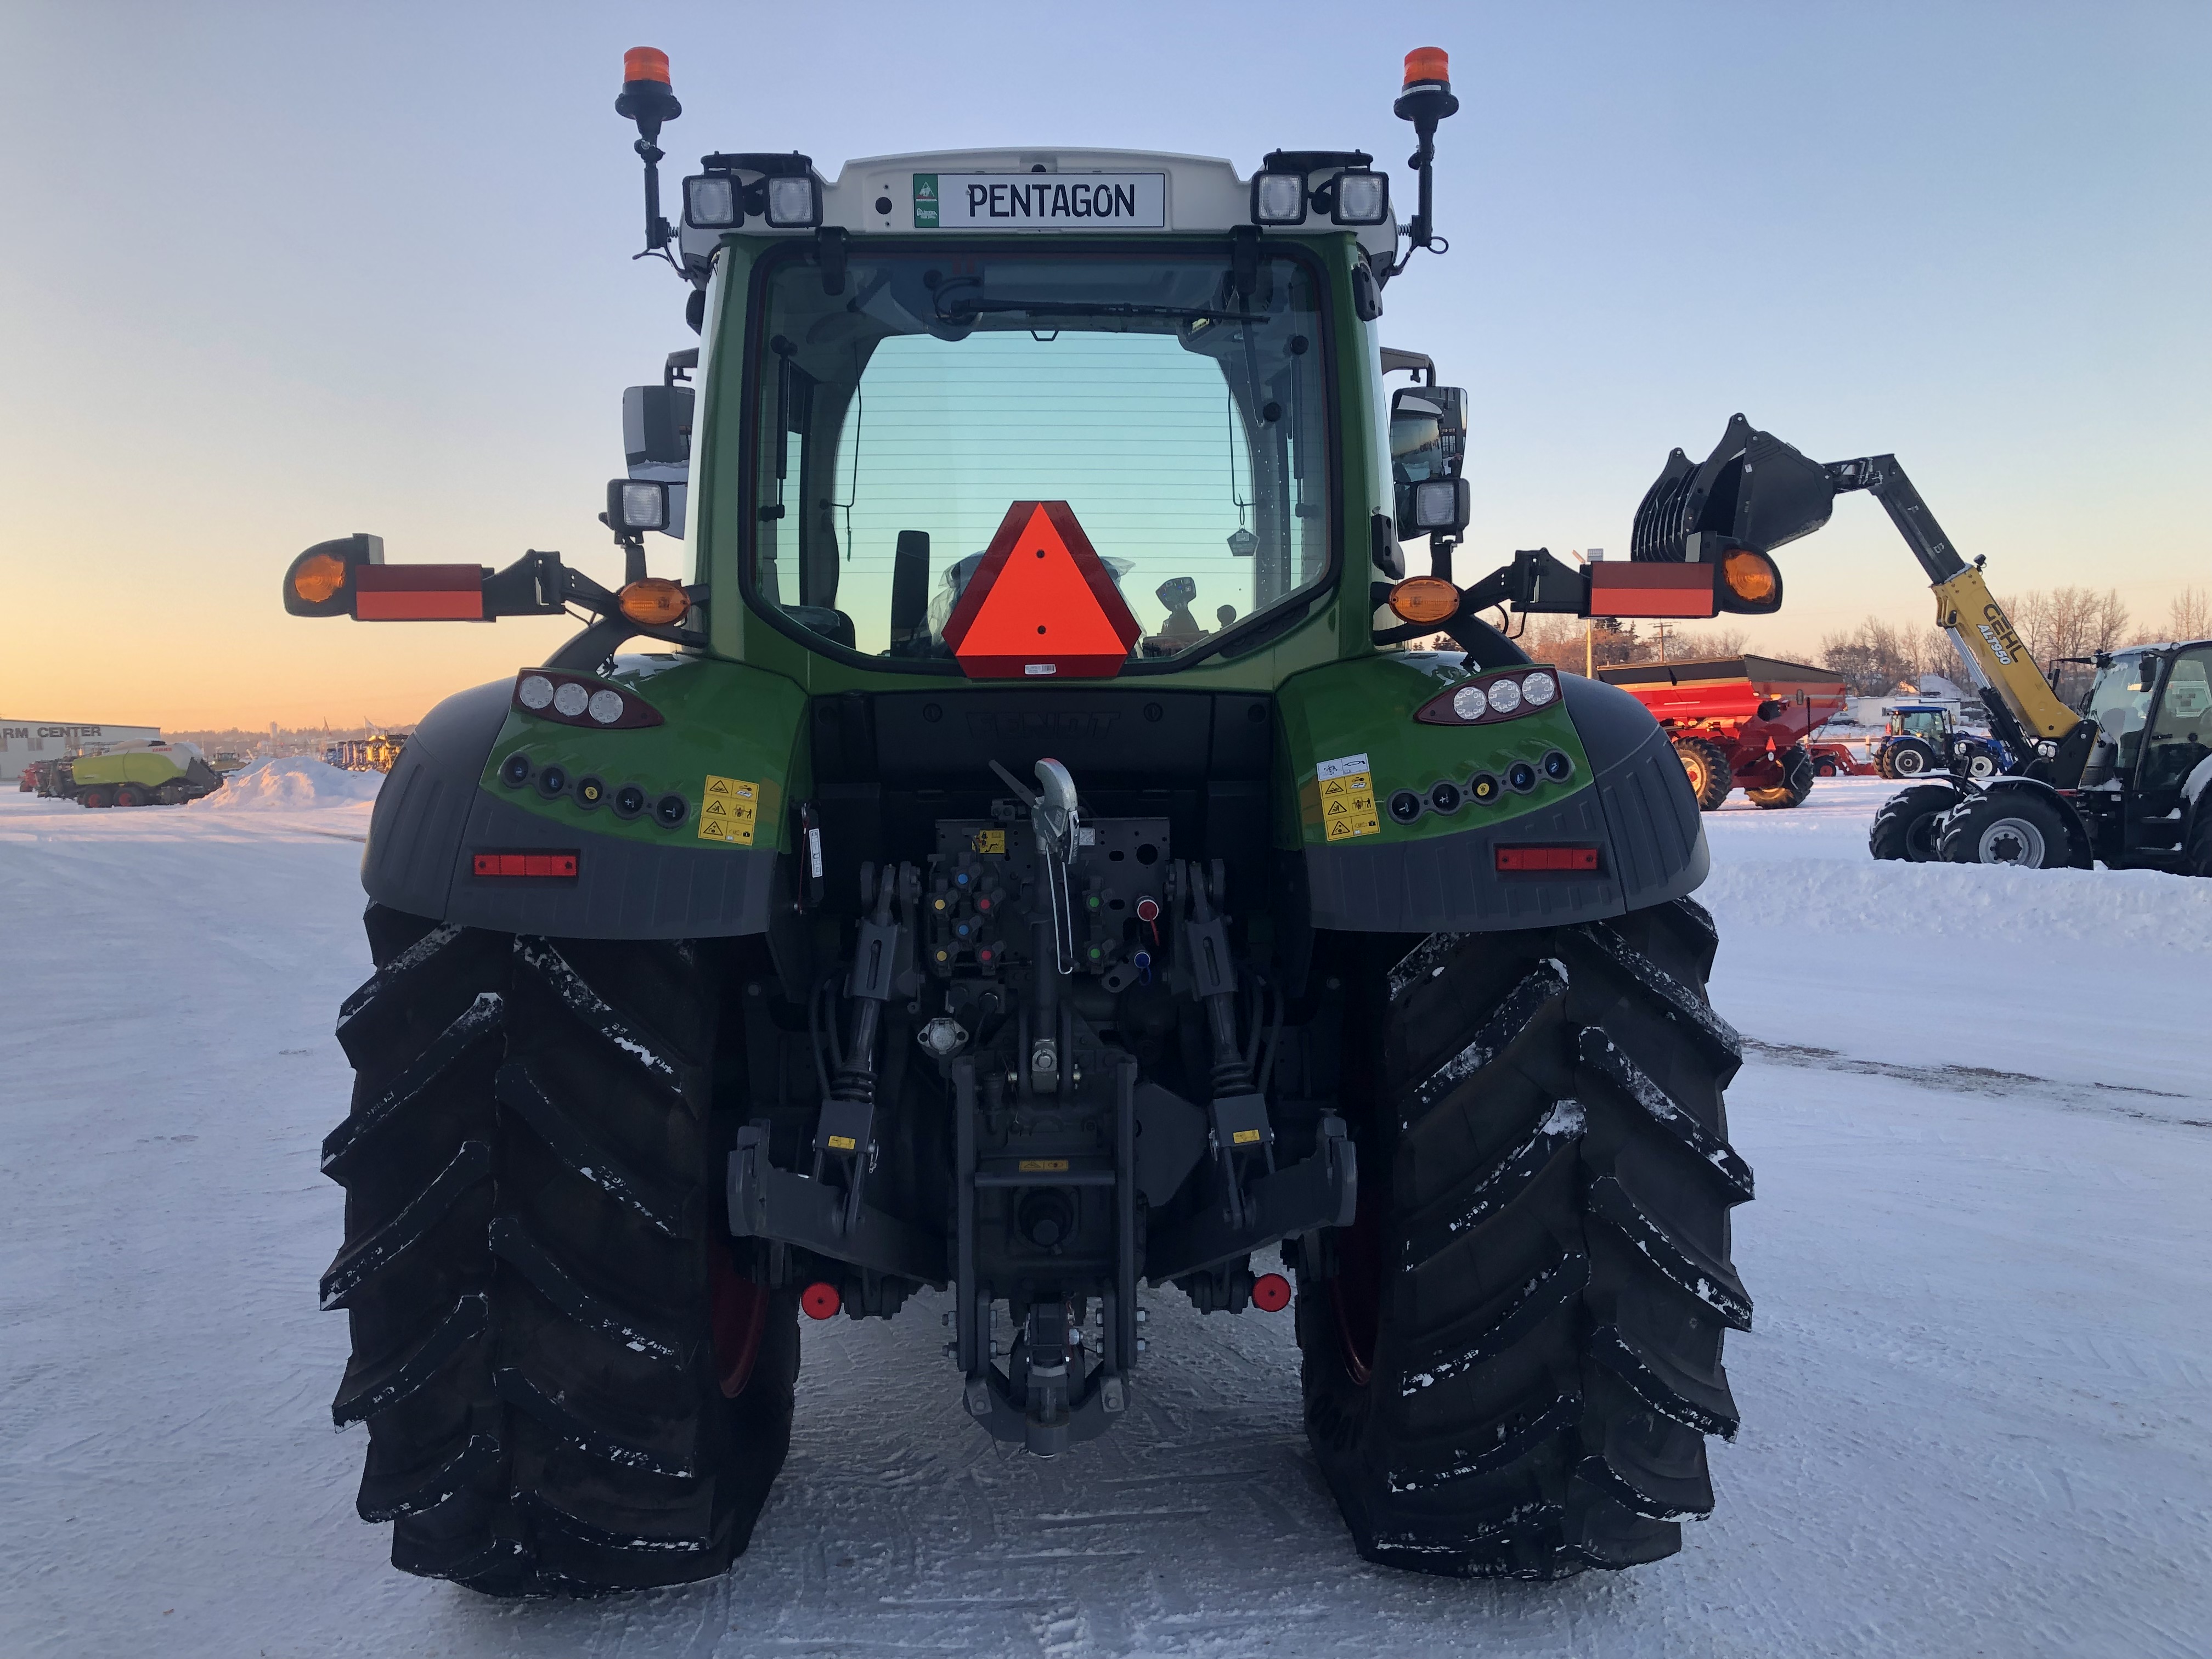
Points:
(1182, 419)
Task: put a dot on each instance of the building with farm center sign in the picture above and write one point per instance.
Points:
(22, 742)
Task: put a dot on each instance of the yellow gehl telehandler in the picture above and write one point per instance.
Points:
(2126, 778)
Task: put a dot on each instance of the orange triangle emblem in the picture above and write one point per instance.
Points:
(1041, 603)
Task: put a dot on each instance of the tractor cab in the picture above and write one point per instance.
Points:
(2152, 760)
(1930, 722)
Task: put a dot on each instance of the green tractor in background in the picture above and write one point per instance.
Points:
(1027, 863)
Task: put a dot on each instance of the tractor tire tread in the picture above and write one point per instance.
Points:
(531, 1174)
(1558, 1287)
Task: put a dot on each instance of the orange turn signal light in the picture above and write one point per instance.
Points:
(651, 63)
(1750, 576)
(1424, 63)
(656, 601)
(317, 577)
(1424, 599)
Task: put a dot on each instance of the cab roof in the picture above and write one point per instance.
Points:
(1037, 190)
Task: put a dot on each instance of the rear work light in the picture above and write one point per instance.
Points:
(558, 866)
(580, 699)
(1360, 197)
(793, 204)
(710, 201)
(1554, 859)
(1278, 198)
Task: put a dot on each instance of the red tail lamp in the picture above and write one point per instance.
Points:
(1271, 1293)
(1550, 861)
(821, 1300)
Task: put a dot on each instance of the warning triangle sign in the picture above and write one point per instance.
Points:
(1041, 602)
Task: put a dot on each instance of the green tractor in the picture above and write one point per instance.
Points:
(1024, 857)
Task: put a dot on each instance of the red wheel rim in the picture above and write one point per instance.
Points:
(738, 1310)
(1356, 1292)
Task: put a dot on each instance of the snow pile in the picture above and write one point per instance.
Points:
(293, 782)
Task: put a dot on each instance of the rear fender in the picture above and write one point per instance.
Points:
(1352, 740)
(448, 801)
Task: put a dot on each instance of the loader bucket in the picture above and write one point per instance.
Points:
(1753, 491)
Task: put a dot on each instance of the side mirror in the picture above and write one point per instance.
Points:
(657, 425)
(1428, 447)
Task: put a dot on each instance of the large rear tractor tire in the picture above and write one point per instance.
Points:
(2197, 848)
(1797, 778)
(1514, 1367)
(1706, 765)
(2008, 827)
(1909, 822)
(1908, 758)
(571, 1383)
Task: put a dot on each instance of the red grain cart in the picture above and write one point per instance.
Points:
(1739, 721)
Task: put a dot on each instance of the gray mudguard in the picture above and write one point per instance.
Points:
(431, 814)
(1638, 805)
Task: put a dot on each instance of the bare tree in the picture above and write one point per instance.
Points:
(2189, 616)
(1875, 657)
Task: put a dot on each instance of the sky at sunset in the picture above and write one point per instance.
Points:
(277, 273)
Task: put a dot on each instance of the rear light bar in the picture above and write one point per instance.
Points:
(1502, 694)
(560, 866)
(580, 699)
(1550, 860)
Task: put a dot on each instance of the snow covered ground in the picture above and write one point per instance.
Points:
(1976, 1407)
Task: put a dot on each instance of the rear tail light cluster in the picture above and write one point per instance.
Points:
(580, 699)
(1503, 695)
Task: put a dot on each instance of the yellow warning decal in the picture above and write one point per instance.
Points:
(727, 809)
(1244, 1137)
(1044, 1166)
(843, 1143)
(988, 841)
(1347, 799)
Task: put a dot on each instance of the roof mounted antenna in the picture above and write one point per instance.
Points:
(1426, 98)
(648, 99)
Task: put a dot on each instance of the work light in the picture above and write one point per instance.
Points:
(635, 504)
(1278, 198)
(793, 204)
(1441, 505)
(1363, 197)
(710, 201)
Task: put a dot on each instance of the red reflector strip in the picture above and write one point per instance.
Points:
(1546, 858)
(1620, 589)
(418, 592)
(527, 864)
